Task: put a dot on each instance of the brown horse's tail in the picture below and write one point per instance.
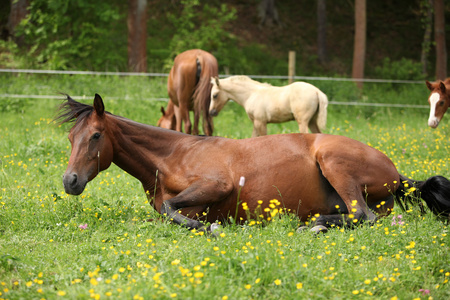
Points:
(202, 94)
(322, 115)
(435, 191)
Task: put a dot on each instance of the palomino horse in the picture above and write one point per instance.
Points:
(439, 101)
(187, 177)
(189, 88)
(269, 104)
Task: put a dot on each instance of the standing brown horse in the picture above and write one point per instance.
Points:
(439, 100)
(185, 176)
(189, 88)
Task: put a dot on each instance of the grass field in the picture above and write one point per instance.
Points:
(99, 245)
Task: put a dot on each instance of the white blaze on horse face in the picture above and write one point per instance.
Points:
(432, 120)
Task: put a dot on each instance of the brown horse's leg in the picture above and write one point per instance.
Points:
(196, 121)
(179, 119)
(201, 193)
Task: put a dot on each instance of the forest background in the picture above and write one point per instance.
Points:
(401, 38)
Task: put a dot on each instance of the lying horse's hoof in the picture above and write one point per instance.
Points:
(213, 230)
(319, 228)
(316, 229)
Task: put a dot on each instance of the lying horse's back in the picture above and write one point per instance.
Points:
(308, 173)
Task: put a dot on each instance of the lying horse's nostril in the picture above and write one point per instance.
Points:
(73, 180)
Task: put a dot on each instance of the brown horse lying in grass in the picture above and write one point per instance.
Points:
(187, 177)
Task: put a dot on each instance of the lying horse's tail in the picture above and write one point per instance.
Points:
(322, 115)
(202, 94)
(435, 191)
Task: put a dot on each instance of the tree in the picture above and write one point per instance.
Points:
(427, 19)
(322, 31)
(359, 52)
(137, 35)
(18, 12)
(439, 37)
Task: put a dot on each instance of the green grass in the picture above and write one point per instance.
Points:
(45, 254)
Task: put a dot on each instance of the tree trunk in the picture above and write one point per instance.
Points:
(137, 35)
(426, 44)
(268, 13)
(18, 12)
(322, 31)
(439, 37)
(359, 52)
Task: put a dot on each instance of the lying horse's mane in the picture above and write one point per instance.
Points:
(241, 78)
(72, 110)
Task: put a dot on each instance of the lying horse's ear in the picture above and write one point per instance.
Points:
(98, 105)
(217, 80)
(429, 85)
(163, 111)
(442, 87)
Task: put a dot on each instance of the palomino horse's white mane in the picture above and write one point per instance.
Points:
(243, 78)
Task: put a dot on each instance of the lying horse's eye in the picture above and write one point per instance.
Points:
(96, 136)
(215, 96)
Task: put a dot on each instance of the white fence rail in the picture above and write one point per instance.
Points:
(62, 72)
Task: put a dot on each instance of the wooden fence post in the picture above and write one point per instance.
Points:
(291, 66)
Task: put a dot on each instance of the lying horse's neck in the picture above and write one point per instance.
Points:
(140, 149)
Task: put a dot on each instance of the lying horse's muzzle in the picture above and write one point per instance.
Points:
(72, 184)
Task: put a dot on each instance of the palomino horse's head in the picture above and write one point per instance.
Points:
(92, 150)
(167, 120)
(439, 102)
(218, 97)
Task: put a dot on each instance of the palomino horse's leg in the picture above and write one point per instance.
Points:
(259, 128)
(200, 193)
(302, 121)
(314, 127)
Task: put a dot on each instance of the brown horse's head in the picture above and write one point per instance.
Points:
(92, 150)
(218, 97)
(167, 120)
(439, 102)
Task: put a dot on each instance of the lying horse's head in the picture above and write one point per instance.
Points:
(92, 150)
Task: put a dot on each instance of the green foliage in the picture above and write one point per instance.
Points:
(404, 69)
(74, 33)
(203, 26)
(13, 105)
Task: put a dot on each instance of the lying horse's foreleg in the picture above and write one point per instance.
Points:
(201, 193)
